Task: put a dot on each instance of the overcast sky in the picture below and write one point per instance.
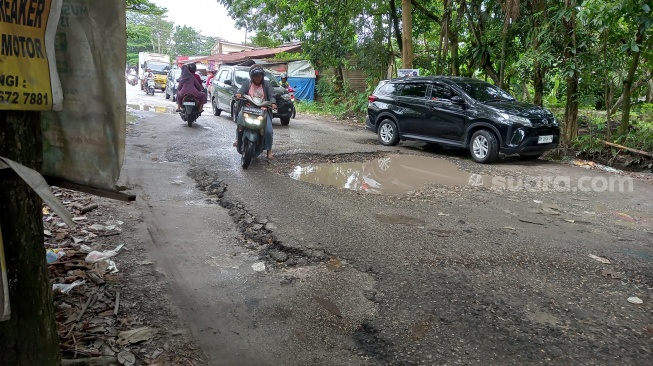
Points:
(207, 16)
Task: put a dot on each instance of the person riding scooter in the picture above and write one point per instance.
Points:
(284, 81)
(258, 87)
(188, 85)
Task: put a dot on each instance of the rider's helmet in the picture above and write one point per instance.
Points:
(284, 76)
(256, 70)
(192, 67)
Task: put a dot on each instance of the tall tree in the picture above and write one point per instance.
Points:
(570, 130)
(407, 31)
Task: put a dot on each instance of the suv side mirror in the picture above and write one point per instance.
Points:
(456, 99)
(228, 82)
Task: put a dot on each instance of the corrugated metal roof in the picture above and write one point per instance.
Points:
(253, 54)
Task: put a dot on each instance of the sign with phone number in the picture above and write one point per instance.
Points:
(28, 78)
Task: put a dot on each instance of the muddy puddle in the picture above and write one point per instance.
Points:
(393, 174)
(151, 108)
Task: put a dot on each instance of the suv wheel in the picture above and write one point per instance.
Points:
(388, 133)
(484, 147)
(216, 110)
(284, 121)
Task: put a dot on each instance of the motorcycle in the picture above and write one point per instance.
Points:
(190, 110)
(132, 80)
(291, 91)
(251, 120)
(150, 86)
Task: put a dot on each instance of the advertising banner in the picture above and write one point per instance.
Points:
(84, 143)
(402, 73)
(28, 74)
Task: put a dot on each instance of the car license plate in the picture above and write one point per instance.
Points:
(189, 103)
(253, 110)
(545, 139)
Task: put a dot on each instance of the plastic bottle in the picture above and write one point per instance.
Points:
(53, 255)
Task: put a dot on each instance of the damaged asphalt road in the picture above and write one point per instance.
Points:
(271, 270)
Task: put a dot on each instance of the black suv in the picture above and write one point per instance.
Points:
(462, 112)
(228, 81)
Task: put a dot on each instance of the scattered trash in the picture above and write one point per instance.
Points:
(258, 266)
(111, 268)
(126, 358)
(635, 300)
(47, 233)
(600, 259)
(610, 273)
(509, 228)
(569, 220)
(592, 165)
(95, 256)
(66, 288)
(98, 227)
(536, 201)
(590, 212)
(53, 255)
(443, 214)
(136, 335)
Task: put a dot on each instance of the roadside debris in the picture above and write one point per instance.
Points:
(592, 165)
(258, 266)
(96, 319)
(611, 273)
(600, 259)
(635, 300)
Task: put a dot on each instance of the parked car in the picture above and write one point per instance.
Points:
(171, 84)
(462, 112)
(230, 78)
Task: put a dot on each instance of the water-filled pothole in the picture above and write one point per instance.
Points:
(152, 108)
(393, 174)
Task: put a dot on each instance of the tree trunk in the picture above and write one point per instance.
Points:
(537, 7)
(502, 63)
(30, 336)
(570, 131)
(395, 24)
(625, 116)
(620, 101)
(407, 24)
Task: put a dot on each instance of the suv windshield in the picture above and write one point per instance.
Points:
(482, 91)
(243, 75)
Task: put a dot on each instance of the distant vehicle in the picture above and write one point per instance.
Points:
(158, 63)
(462, 112)
(230, 78)
(171, 84)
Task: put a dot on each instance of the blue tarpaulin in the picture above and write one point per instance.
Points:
(304, 88)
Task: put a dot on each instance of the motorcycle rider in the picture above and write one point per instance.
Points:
(188, 84)
(147, 76)
(258, 87)
(284, 81)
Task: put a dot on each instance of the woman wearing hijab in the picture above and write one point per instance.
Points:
(188, 85)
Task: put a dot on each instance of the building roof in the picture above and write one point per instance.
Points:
(237, 57)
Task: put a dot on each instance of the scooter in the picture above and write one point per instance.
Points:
(150, 86)
(190, 110)
(251, 120)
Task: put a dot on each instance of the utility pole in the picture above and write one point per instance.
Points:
(30, 336)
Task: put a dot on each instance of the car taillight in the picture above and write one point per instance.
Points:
(372, 98)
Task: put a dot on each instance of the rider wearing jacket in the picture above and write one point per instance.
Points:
(258, 87)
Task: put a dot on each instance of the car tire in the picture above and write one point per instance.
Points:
(530, 157)
(484, 147)
(284, 121)
(216, 110)
(388, 133)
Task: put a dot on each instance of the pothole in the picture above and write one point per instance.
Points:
(392, 174)
(256, 233)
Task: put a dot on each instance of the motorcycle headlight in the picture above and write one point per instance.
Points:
(285, 96)
(509, 119)
(253, 120)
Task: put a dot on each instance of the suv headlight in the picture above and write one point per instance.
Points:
(285, 96)
(510, 119)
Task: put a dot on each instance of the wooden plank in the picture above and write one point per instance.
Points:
(58, 182)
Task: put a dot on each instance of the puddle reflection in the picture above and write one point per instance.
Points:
(394, 174)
